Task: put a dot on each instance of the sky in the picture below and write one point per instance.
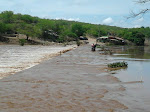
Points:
(106, 12)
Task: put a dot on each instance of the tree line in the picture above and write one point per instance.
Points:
(63, 30)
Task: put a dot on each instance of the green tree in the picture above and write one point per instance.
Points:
(139, 38)
(2, 31)
(78, 29)
(10, 28)
(128, 35)
(45, 24)
(7, 16)
(29, 30)
(67, 36)
(27, 19)
(2, 28)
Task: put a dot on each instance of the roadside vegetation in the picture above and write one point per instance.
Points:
(22, 42)
(63, 31)
(118, 65)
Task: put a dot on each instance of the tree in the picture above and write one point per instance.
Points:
(139, 38)
(67, 36)
(2, 28)
(142, 11)
(7, 16)
(29, 30)
(77, 29)
(27, 18)
(2, 31)
(10, 28)
(128, 35)
(56, 28)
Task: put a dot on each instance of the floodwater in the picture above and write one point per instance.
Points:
(79, 81)
(15, 58)
(138, 59)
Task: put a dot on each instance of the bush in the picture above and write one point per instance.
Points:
(22, 42)
(118, 64)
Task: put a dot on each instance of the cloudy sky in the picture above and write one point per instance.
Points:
(108, 12)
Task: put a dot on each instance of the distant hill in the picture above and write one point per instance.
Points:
(63, 30)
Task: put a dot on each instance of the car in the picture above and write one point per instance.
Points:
(83, 38)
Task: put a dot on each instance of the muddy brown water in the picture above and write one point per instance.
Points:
(76, 81)
(138, 59)
(15, 58)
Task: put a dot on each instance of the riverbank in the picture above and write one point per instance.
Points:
(15, 58)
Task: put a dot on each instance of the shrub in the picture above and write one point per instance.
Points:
(22, 42)
(118, 64)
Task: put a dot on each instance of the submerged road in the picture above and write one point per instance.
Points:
(73, 82)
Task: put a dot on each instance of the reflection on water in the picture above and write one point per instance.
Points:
(138, 59)
(136, 52)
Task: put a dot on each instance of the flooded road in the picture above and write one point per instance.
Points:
(76, 81)
(15, 58)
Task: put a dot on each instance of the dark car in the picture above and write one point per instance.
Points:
(83, 38)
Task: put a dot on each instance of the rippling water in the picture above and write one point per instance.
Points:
(78, 81)
(138, 59)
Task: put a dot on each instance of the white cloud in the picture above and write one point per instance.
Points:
(108, 21)
(137, 26)
(70, 19)
(138, 22)
(141, 19)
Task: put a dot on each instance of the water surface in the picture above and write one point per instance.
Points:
(138, 59)
(78, 81)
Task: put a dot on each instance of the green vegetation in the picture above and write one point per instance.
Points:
(63, 31)
(22, 42)
(118, 64)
